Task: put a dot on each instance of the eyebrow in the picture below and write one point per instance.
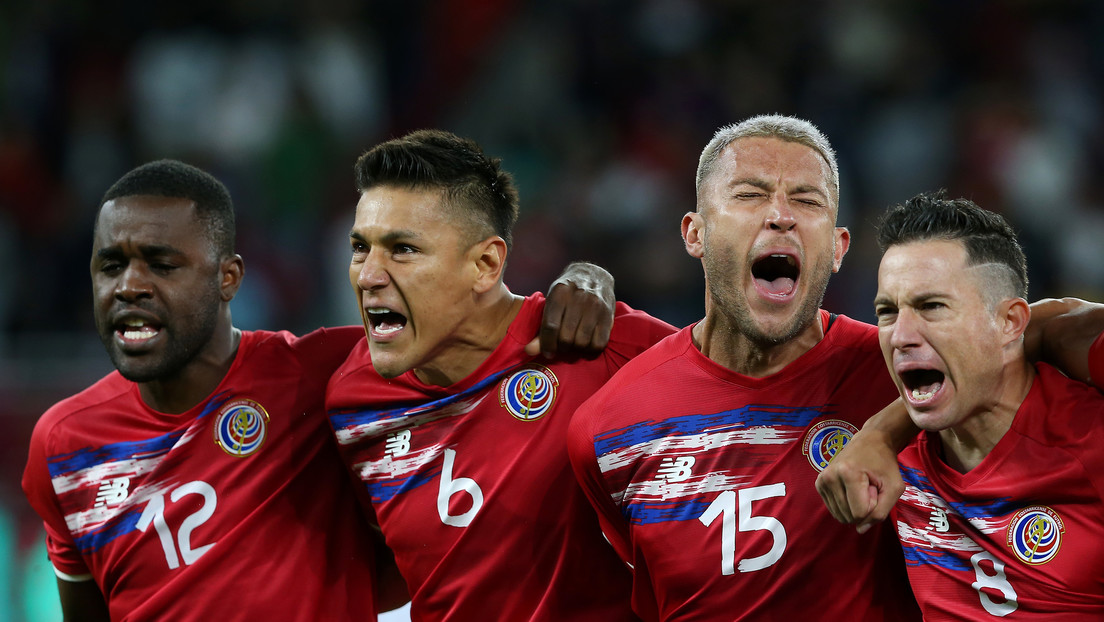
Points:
(765, 185)
(147, 250)
(388, 237)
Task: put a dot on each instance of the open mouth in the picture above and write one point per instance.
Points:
(135, 330)
(385, 322)
(922, 384)
(776, 274)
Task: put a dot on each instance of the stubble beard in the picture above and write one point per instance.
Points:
(730, 300)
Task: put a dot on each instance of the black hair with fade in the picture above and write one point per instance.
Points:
(470, 179)
(175, 179)
(986, 235)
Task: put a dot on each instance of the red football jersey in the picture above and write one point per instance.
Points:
(1014, 537)
(471, 483)
(238, 509)
(703, 480)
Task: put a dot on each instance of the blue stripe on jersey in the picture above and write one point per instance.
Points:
(659, 512)
(1002, 506)
(118, 525)
(344, 418)
(65, 464)
(385, 490)
(750, 416)
(115, 452)
(915, 556)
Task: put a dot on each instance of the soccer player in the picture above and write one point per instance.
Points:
(457, 434)
(200, 480)
(700, 454)
(1004, 489)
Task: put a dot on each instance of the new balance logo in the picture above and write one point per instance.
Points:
(676, 469)
(113, 491)
(398, 444)
(938, 521)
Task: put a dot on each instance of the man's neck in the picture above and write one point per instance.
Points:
(725, 345)
(198, 379)
(482, 332)
(967, 444)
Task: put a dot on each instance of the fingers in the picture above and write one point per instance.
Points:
(575, 320)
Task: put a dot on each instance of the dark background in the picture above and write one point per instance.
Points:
(599, 107)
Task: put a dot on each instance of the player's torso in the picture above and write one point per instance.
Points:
(716, 484)
(159, 506)
(1015, 541)
(476, 497)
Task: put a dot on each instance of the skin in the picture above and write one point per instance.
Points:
(152, 263)
(765, 196)
(412, 256)
(935, 312)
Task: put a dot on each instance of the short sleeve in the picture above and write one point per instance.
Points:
(1096, 361)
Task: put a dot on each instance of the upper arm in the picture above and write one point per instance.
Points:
(82, 601)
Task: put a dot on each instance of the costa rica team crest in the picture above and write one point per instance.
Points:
(529, 392)
(825, 439)
(241, 427)
(1035, 534)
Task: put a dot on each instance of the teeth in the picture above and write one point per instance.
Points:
(138, 334)
(922, 396)
(378, 310)
(133, 321)
(381, 330)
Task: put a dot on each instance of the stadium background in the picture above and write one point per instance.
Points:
(600, 108)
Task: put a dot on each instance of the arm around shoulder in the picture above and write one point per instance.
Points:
(1062, 333)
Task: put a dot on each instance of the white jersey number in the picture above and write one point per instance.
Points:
(725, 506)
(155, 514)
(450, 487)
(997, 581)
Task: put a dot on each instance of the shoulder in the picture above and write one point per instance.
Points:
(322, 350)
(111, 388)
(657, 371)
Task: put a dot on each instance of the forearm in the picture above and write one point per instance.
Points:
(1061, 333)
(892, 425)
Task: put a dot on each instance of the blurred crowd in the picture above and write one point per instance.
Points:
(599, 107)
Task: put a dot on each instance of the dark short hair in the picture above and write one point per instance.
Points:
(987, 236)
(175, 179)
(470, 180)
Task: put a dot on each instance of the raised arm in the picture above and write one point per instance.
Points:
(862, 482)
(1062, 331)
(578, 312)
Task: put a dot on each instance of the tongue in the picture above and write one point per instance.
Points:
(780, 286)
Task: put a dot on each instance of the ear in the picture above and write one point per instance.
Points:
(489, 259)
(693, 234)
(1013, 315)
(232, 269)
(840, 244)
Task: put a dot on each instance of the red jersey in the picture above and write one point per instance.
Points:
(703, 481)
(238, 509)
(471, 483)
(1018, 536)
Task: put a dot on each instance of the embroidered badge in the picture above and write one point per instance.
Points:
(241, 427)
(529, 392)
(825, 439)
(1035, 534)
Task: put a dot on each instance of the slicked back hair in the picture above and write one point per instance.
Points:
(790, 129)
(473, 183)
(175, 179)
(987, 236)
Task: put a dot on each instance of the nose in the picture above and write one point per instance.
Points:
(905, 331)
(134, 283)
(372, 275)
(780, 216)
